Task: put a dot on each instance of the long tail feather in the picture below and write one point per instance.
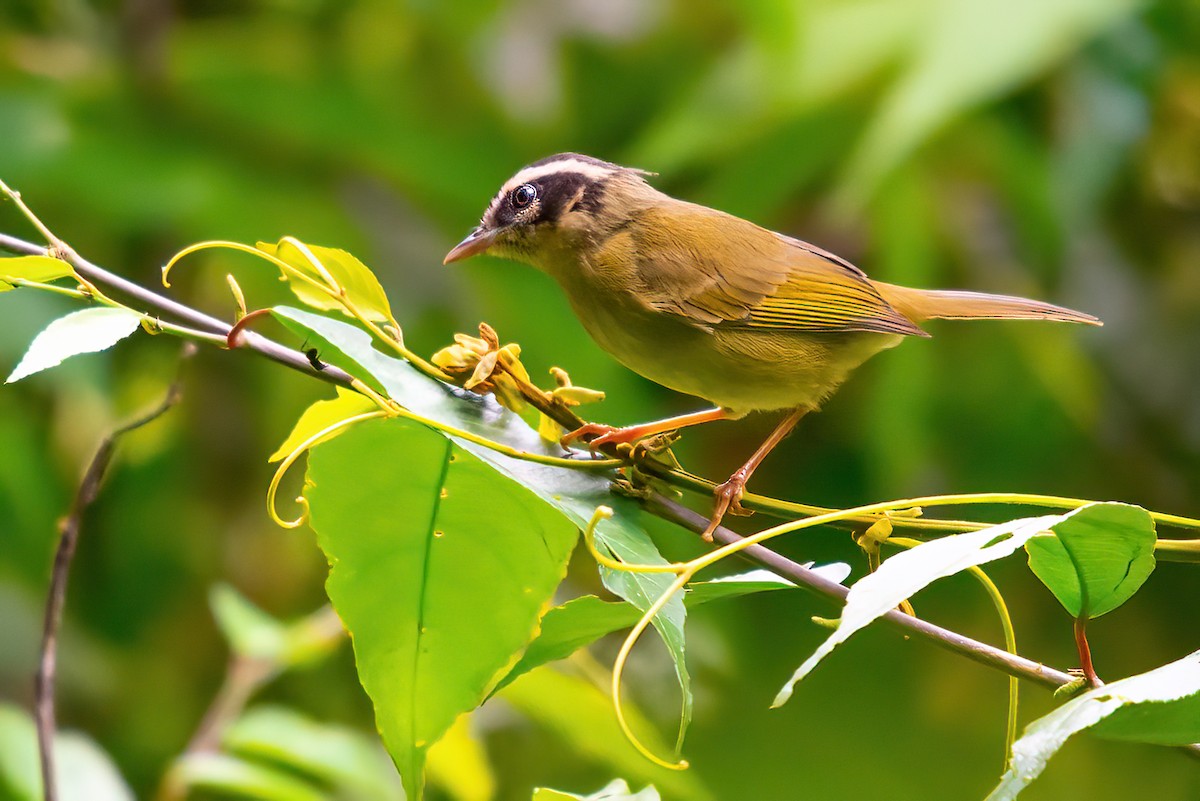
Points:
(952, 304)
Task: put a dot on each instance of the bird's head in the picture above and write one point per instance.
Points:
(558, 204)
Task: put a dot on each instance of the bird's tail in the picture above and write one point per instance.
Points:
(919, 305)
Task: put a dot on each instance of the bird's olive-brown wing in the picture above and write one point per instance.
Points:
(713, 270)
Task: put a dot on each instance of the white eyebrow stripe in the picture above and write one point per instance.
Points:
(586, 168)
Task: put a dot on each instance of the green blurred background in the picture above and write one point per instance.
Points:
(1044, 148)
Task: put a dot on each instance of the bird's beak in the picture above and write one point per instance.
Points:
(478, 241)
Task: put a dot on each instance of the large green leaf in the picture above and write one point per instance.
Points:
(1161, 706)
(574, 493)
(84, 331)
(439, 568)
(904, 574)
(1096, 562)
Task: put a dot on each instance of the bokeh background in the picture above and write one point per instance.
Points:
(1044, 148)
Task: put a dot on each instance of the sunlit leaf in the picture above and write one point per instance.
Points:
(904, 574)
(85, 331)
(320, 416)
(361, 286)
(458, 764)
(42, 269)
(580, 714)
(574, 493)
(439, 568)
(1095, 563)
(1161, 706)
(352, 762)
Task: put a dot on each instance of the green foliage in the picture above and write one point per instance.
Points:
(904, 574)
(84, 331)
(42, 269)
(1094, 564)
(439, 577)
(336, 270)
(1160, 706)
(1043, 148)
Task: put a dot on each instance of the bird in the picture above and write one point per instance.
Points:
(709, 304)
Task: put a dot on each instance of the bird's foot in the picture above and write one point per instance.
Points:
(602, 435)
(728, 501)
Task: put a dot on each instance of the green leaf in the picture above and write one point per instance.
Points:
(346, 760)
(42, 269)
(575, 494)
(243, 778)
(361, 286)
(1161, 707)
(320, 416)
(909, 571)
(253, 633)
(84, 771)
(439, 570)
(86, 331)
(1096, 562)
(616, 790)
(580, 714)
(582, 621)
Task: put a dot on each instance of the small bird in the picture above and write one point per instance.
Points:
(706, 303)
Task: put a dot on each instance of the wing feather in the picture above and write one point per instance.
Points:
(771, 281)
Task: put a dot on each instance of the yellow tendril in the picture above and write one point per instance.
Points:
(321, 436)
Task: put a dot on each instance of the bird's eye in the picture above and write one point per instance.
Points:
(523, 195)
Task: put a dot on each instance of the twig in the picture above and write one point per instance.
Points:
(817, 584)
(69, 528)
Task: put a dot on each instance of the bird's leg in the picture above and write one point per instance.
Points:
(615, 436)
(729, 494)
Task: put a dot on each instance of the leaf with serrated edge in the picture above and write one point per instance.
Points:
(84, 331)
(439, 569)
(898, 578)
(1094, 564)
(1146, 708)
(573, 493)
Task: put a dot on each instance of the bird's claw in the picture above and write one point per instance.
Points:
(728, 501)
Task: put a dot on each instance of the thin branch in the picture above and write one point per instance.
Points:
(69, 528)
(817, 584)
